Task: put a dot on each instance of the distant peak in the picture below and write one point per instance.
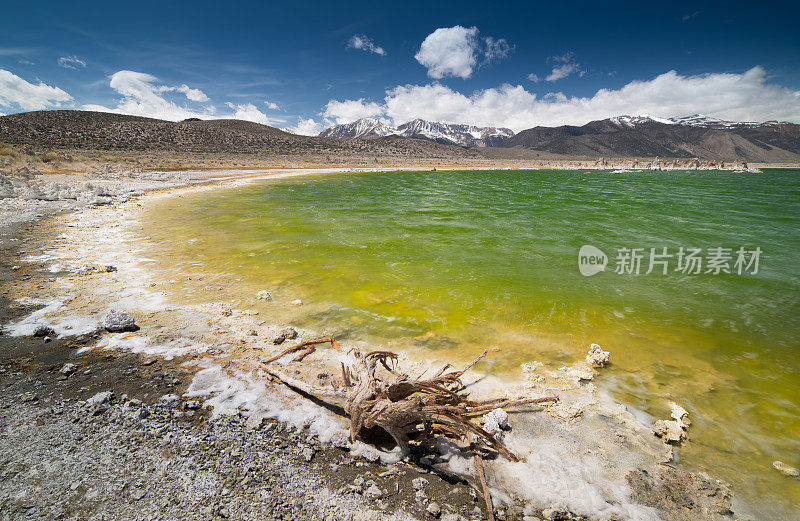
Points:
(446, 133)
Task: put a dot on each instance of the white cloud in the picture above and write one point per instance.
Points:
(351, 110)
(454, 51)
(566, 67)
(562, 71)
(306, 127)
(272, 106)
(738, 97)
(449, 51)
(71, 62)
(28, 96)
(365, 43)
(534, 78)
(142, 96)
(249, 112)
(192, 94)
(496, 49)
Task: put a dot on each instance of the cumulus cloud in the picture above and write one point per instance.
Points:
(16, 92)
(351, 110)
(565, 65)
(249, 112)
(71, 62)
(270, 105)
(449, 51)
(143, 96)
(739, 97)
(192, 94)
(306, 127)
(365, 43)
(534, 78)
(455, 51)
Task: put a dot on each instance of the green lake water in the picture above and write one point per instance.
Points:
(446, 263)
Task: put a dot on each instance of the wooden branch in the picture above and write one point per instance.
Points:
(300, 346)
(313, 390)
(307, 351)
(487, 495)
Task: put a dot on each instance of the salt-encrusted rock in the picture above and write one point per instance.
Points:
(679, 414)
(110, 268)
(498, 416)
(597, 356)
(669, 430)
(170, 400)
(433, 509)
(100, 398)
(101, 201)
(308, 454)
(264, 295)
(373, 492)
(252, 332)
(278, 339)
(419, 483)
(786, 470)
(68, 369)
(453, 517)
(118, 321)
(673, 430)
(43, 331)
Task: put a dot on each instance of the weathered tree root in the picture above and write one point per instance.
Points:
(409, 410)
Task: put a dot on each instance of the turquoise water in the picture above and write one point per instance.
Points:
(450, 262)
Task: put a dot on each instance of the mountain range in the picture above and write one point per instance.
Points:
(692, 136)
(444, 133)
(371, 141)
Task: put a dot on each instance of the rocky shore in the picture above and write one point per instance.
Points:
(175, 421)
(112, 456)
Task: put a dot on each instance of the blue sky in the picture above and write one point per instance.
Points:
(304, 65)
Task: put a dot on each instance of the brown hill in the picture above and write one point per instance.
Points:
(767, 142)
(72, 129)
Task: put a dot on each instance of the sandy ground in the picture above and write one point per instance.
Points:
(218, 439)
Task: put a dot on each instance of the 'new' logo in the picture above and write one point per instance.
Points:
(591, 260)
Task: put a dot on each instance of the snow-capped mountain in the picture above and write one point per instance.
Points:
(362, 128)
(695, 120)
(633, 121)
(446, 133)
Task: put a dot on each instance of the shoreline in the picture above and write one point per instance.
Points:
(586, 419)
